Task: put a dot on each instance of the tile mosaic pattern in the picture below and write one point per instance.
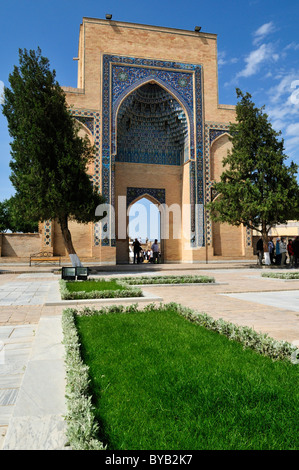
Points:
(91, 119)
(122, 75)
(134, 193)
(47, 238)
(152, 128)
(212, 131)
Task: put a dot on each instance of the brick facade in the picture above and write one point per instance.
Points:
(147, 97)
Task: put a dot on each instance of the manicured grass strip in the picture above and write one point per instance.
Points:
(165, 279)
(160, 381)
(96, 289)
(92, 284)
(281, 275)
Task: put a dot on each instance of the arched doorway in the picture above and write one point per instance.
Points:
(152, 146)
(145, 225)
(227, 239)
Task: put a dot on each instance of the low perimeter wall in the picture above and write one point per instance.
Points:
(20, 245)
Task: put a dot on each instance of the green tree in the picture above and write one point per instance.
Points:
(4, 216)
(49, 159)
(257, 188)
(12, 219)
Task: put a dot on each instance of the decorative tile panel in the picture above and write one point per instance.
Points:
(91, 119)
(47, 238)
(212, 131)
(121, 76)
(151, 128)
(134, 193)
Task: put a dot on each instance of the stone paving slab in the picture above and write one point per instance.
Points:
(24, 293)
(8, 396)
(32, 380)
(285, 300)
(36, 420)
(15, 347)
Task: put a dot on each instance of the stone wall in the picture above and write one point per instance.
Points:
(19, 245)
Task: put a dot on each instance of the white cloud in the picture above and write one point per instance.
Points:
(222, 59)
(267, 61)
(1, 92)
(256, 58)
(291, 147)
(293, 46)
(263, 31)
(283, 87)
(293, 129)
(284, 98)
(262, 54)
(284, 114)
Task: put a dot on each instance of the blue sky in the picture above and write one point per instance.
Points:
(258, 49)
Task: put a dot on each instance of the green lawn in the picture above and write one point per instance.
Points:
(161, 382)
(97, 289)
(93, 285)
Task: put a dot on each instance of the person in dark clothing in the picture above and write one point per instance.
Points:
(291, 252)
(260, 250)
(296, 251)
(278, 252)
(271, 250)
(137, 249)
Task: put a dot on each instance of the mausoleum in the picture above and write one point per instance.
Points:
(147, 98)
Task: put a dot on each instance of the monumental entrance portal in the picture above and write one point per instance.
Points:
(147, 98)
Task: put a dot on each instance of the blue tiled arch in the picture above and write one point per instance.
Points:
(119, 73)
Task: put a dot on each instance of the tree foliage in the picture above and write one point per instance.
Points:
(11, 219)
(257, 188)
(49, 159)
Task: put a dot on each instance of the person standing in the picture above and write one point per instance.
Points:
(155, 248)
(291, 252)
(271, 249)
(260, 251)
(283, 251)
(137, 249)
(296, 251)
(277, 251)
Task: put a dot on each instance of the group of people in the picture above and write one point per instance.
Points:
(151, 255)
(281, 252)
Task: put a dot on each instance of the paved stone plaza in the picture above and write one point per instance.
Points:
(32, 376)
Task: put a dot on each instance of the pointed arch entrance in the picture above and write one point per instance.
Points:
(145, 224)
(151, 146)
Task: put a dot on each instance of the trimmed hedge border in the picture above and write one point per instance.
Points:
(106, 294)
(140, 280)
(281, 275)
(82, 427)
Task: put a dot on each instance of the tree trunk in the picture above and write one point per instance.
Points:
(67, 238)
